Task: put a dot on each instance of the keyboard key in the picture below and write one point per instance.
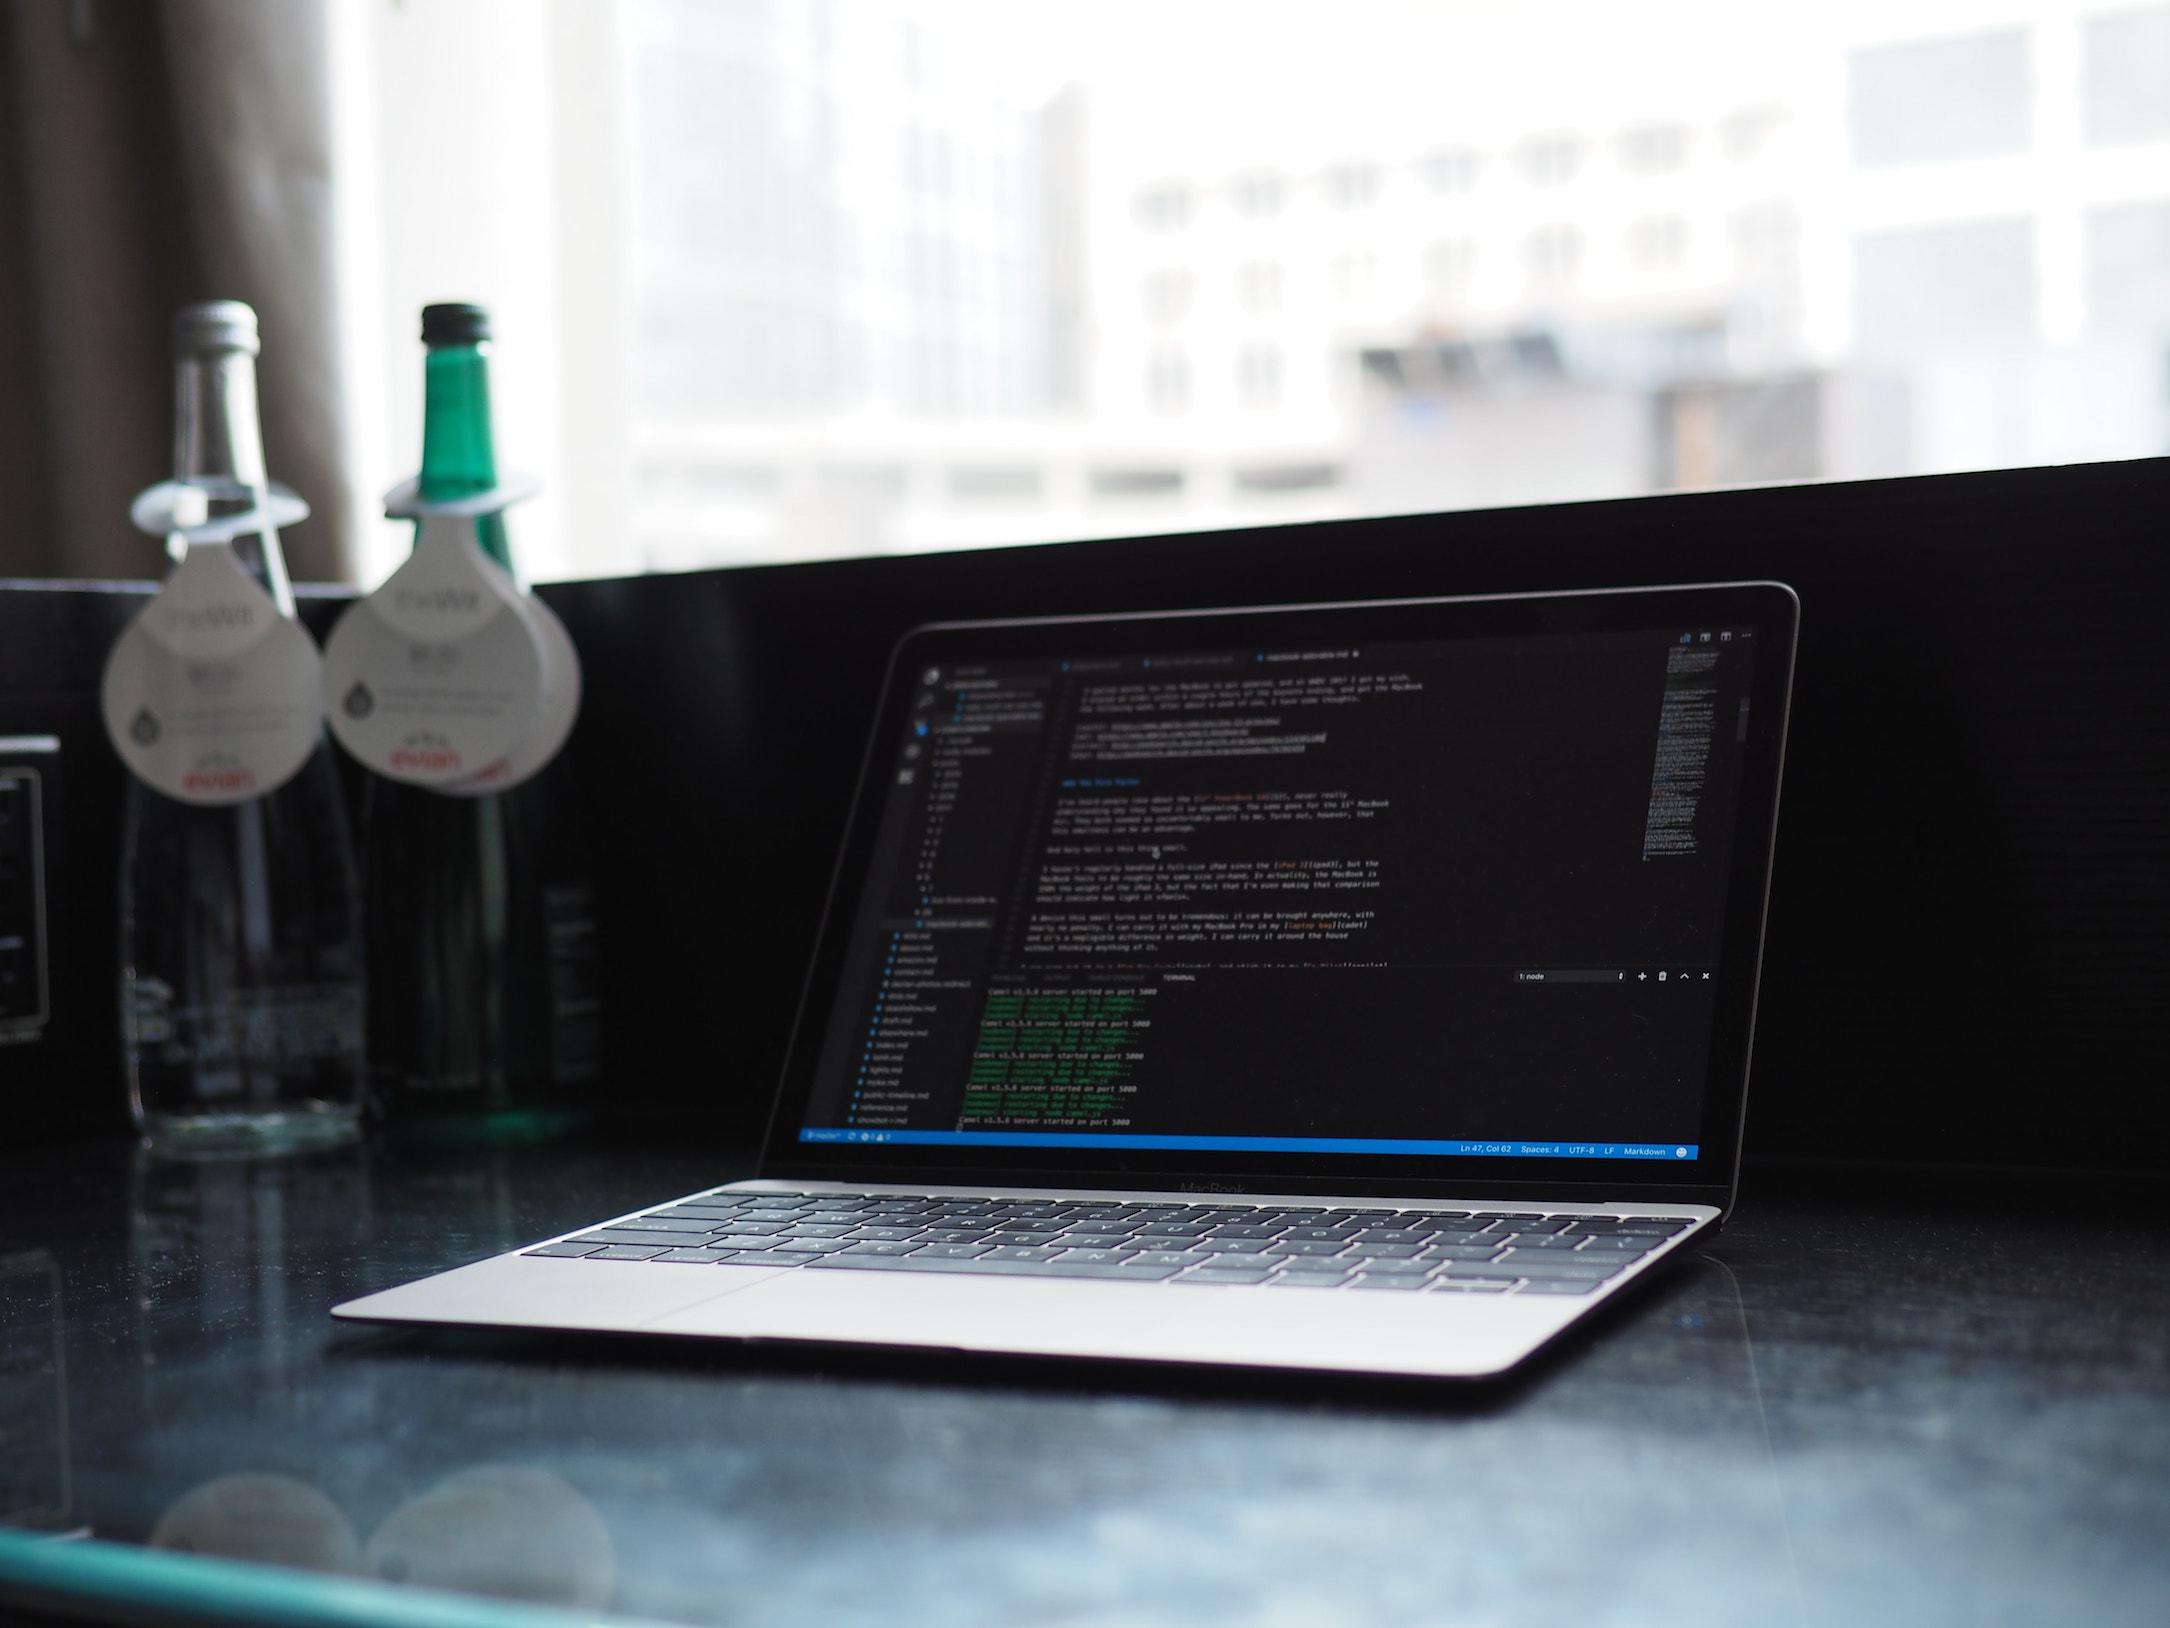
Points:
(1383, 1252)
(1391, 1235)
(880, 1246)
(953, 1235)
(622, 1235)
(564, 1251)
(949, 1252)
(824, 1231)
(1555, 1267)
(1461, 1252)
(1469, 1286)
(1225, 1274)
(1024, 1240)
(808, 1246)
(707, 1257)
(1121, 1271)
(1220, 1233)
(1308, 1246)
(626, 1252)
(1097, 1240)
(768, 1257)
(880, 1232)
(1625, 1244)
(1559, 1242)
(1020, 1252)
(665, 1223)
(1561, 1286)
(1296, 1278)
(1320, 1234)
(1097, 1257)
(1408, 1283)
(1373, 1263)
(1168, 1257)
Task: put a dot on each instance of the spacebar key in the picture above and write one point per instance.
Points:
(1121, 1270)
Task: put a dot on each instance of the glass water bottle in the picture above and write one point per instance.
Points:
(482, 932)
(241, 944)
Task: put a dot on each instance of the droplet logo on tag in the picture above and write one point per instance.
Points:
(211, 696)
(441, 672)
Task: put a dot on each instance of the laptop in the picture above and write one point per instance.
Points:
(1352, 987)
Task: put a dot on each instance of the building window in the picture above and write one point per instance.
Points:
(1166, 294)
(1452, 170)
(1352, 275)
(1748, 133)
(1258, 376)
(1167, 382)
(1654, 149)
(2125, 74)
(1659, 243)
(1553, 257)
(1165, 207)
(1450, 265)
(2128, 247)
(1258, 285)
(1765, 235)
(1948, 287)
(1549, 161)
(1260, 194)
(1352, 185)
(1931, 101)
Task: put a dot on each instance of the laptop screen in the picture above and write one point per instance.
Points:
(1258, 889)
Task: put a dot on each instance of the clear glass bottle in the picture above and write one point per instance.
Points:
(241, 945)
(484, 1022)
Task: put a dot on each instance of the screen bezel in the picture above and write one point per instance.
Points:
(1771, 608)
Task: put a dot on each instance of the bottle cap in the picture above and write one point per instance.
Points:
(448, 325)
(210, 327)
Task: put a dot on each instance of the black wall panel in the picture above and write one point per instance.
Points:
(1969, 953)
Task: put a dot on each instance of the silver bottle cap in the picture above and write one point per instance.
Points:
(213, 327)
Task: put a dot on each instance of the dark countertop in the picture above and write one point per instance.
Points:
(1858, 1407)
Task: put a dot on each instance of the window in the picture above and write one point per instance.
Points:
(1165, 207)
(1943, 288)
(1258, 376)
(1260, 194)
(2128, 269)
(1659, 243)
(1167, 382)
(1654, 149)
(1166, 294)
(1352, 185)
(1748, 134)
(1258, 285)
(1452, 170)
(1352, 275)
(1938, 100)
(1553, 256)
(1450, 265)
(767, 286)
(2125, 68)
(1550, 160)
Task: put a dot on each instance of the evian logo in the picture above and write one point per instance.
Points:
(426, 752)
(217, 776)
(219, 618)
(439, 601)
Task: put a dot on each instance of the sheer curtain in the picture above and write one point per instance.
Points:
(152, 154)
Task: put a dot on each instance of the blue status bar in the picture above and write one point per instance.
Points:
(1261, 1144)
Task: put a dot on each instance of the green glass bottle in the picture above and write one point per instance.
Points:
(483, 1018)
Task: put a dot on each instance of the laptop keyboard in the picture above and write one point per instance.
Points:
(1280, 1246)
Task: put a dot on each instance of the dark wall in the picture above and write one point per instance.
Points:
(1970, 927)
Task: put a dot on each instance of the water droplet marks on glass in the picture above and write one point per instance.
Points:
(241, 953)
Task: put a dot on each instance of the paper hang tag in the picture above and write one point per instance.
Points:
(439, 673)
(211, 696)
(554, 718)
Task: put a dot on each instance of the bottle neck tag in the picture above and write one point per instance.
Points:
(211, 696)
(554, 716)
(440, 672)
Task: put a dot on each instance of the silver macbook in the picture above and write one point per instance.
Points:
(1354, 987)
